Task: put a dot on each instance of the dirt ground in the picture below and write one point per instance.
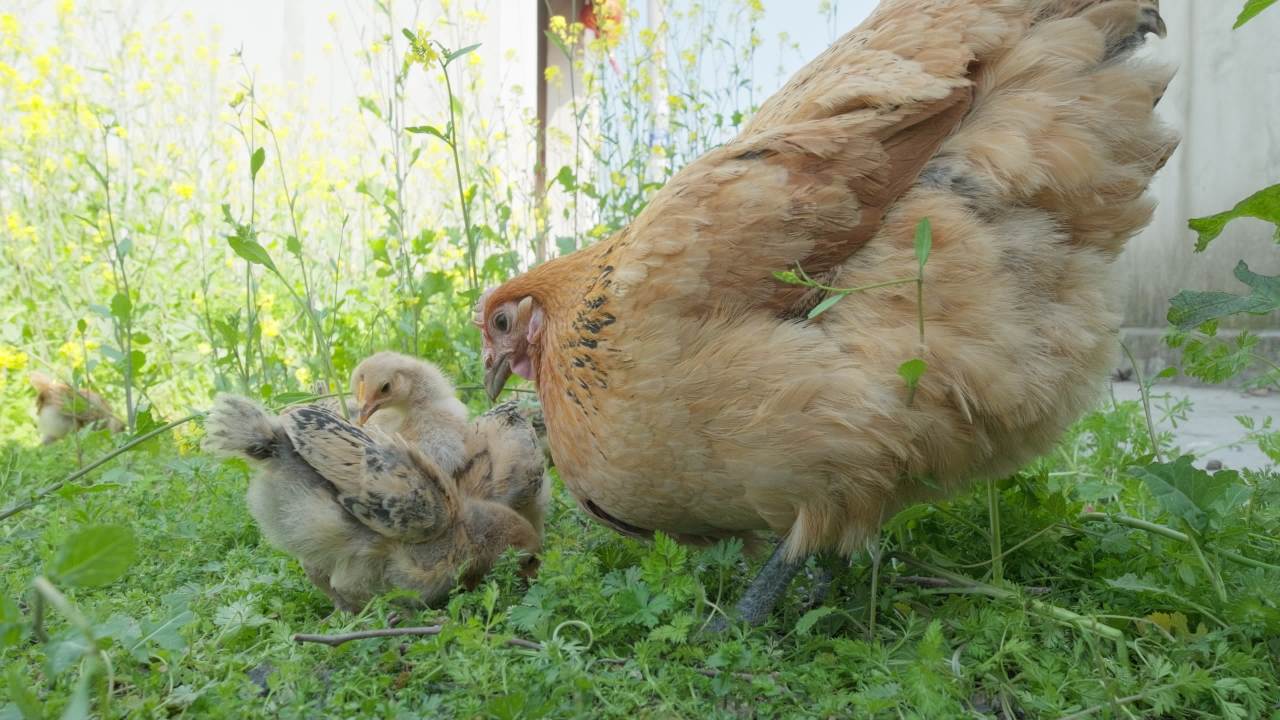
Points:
(1210, 428)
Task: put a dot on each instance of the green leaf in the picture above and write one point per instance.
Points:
(253, 252)
(1187, 492)
(826, 305)
(555, 40)
(1263, 205)
(924, 241)
(788, 276)
(95, 556)
(428, 130)
(567, 179)
(805, 624)
(450, 57)
(121, 307)
(911, 371)
(1251, 10)
(78, 707)
(165, 635)
(255, 162)
(145, 419)
(369, 105)
(138, 359)
(1191, 308)
(20, 693)
(294, 246)
(12, 625)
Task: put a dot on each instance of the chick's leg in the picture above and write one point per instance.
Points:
(768, 587)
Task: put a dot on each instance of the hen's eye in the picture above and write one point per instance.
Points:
(501, 323)
(386, 388)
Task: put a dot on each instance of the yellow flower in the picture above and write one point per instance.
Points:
(423, 51)
(552, 72)
(72, 353)
(204, 348)
(266, 301)
(9, 25)
(303, 375)
(12, 358)
(270, 327)
(184, 190)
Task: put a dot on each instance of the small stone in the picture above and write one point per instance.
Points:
(1213, 465)
(259, 677)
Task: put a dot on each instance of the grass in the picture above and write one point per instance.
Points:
(202, 622)
(1112, 579)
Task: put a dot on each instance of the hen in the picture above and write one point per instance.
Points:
(360, 517)
(61, 410)
(686, 389)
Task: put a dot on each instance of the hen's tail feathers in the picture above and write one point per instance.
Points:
(238, 426)
(1064, 121)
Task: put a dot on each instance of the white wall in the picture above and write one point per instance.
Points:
(1226, 102)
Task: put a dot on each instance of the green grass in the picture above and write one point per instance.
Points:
(205, 614)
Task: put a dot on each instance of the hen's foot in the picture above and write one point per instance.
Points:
(768, 587)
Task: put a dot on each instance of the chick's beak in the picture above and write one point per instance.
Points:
(366, 411)
(495, 377)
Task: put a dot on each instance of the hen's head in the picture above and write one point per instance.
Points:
(392, 380)
(512, 328)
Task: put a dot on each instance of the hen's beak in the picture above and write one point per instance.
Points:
(495, 378)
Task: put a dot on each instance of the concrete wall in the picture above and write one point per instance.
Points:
(1225, 101)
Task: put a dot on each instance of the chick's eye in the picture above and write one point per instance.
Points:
(386, 388)
(501, 323)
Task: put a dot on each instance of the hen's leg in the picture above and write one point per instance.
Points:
(765, 591)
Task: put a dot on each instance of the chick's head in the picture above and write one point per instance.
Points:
(392, 380)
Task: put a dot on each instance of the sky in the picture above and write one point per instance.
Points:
(283, 38)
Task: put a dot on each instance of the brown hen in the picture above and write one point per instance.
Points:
(685, 389)
(60, 409)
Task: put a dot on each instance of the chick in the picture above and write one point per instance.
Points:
(404, 396)
(505, 463)
(362, 518)
(60, 410)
